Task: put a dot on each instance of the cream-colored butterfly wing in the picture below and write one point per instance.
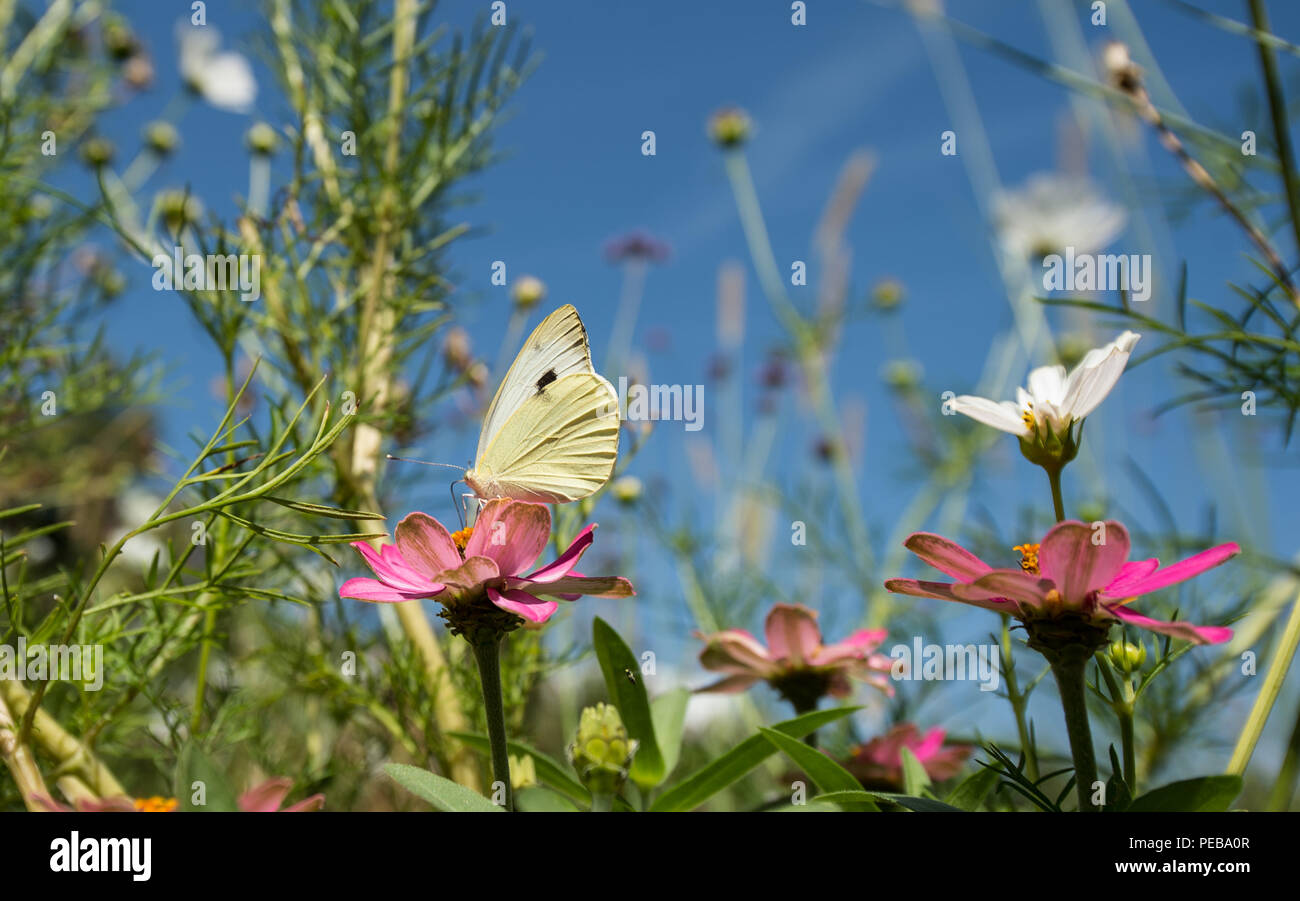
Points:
(556, 348)
(551, 433)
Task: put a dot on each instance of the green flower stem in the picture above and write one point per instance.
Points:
(602, 802)
(1058, 503)
(487, 654)
(1068, 666)
(1122, 701)
(1019, 703)
(1267, 696)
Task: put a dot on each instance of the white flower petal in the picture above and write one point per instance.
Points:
(228, 83)
(1096, 375)
(1004, 416)
(1047, 385)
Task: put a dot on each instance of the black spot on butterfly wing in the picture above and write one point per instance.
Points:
(547, 377)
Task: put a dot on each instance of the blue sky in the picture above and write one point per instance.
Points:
(857, 76)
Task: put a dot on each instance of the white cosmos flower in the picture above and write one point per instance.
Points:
(223, 79)
(1053, 212)
(1055, 401)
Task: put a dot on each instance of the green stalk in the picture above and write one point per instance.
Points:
(1122, 701)
(1068, 666)
(1019, 703)
(1267, 697)
(602, 802)
(487, 654)
(1277, 112)
(1058, 502)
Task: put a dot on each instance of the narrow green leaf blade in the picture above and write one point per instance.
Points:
(732, 766)
(973, 790)
(549, 770)
(441, 793)
(628, 695)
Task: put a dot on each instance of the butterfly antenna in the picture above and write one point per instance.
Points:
(424, 463)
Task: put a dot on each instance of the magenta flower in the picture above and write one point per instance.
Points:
(795, 662)
(485, 561)
(878, 764)
(1080, 577)
(269, 798)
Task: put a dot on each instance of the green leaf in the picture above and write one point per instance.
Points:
(441, 793)
(540, 799)
(549, 770)
(972, 791)
(669, 714)
(911, 802)
(321, 509)
(723, 771)
(1207, 793)
(628, 695)
(826, 774)
(194, 766)
(915, 779)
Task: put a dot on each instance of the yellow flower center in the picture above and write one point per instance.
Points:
(461, 538)
(1028, 416)
(1028, 557)
(156, 804)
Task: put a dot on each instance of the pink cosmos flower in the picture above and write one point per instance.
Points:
(795, 662)
(879, 763)
(1068, 576)
(269, 796)
(486, 560)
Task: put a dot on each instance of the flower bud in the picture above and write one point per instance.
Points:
(523, 771)
(527, 291)
(903, 375)
(887, 295)
(1127, 657)
(262, 139)
(626, 490)
(179, 209)
(456, 349)
(118, 39)
(730, 127)
(97, 152)
(602, 752)
(161, 137)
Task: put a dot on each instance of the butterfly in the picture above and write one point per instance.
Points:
(551, 433)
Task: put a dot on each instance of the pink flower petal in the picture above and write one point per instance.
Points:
(946, 556)
(267, 797)
(856, 647)
(512, 533)
(1129, 574)
(469, 575)
(792, 633)
(388, 565)
(1178, 572)
(425, 545)
(564, 563)
(533, 609)
(944, 591)
(927, 746)
(572, 587)
(730, 685)
(1013, 584)
(1186, 631)
(736, 652)
(315, 802)
(373, 590)
(1079, 567)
